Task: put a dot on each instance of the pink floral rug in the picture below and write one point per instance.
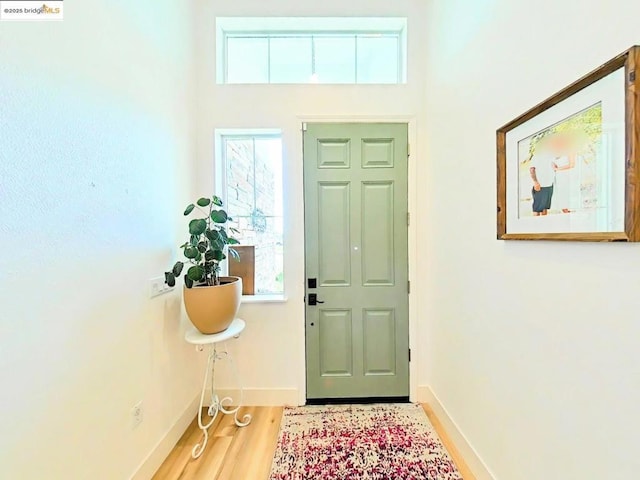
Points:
(360, 442)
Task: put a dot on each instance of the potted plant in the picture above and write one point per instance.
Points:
(211, 301)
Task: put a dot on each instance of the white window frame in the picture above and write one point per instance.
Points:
(220, 183)
(307, 26)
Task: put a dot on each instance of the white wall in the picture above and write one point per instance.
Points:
(96, 140)
(271, 351)
(532, 347)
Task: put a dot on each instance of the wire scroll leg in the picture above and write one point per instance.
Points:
(216, 404)
(226, 402)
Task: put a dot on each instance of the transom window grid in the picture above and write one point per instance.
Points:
(344, 57)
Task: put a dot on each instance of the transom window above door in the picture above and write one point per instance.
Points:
(311, 50)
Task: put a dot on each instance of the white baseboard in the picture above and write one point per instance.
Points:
(163, 448)
(262, 397)
(471, 457)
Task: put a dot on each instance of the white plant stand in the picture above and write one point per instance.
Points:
(217, 351)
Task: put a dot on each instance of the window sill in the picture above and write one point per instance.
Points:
(280, 298)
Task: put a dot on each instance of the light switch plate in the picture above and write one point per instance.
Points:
(157, 286)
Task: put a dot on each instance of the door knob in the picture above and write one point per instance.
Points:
(313, 299)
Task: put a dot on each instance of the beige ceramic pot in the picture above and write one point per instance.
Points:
(212, 309)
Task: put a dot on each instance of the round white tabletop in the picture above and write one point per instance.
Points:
(195, 337)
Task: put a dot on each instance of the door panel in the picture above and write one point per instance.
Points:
(378, 254)
(357, 340)
(334, 225)
(377, 152)
(379, 342)
(334, 153)
(336, 358)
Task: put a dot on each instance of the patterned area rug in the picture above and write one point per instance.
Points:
(360, 442)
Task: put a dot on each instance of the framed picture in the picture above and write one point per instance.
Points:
(569, 168)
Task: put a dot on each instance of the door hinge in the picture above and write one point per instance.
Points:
(408, 286)
(408, 219)
(409, 354)
(304, 126)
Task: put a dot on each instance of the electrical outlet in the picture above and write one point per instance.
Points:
(157, 286)
(136, 415)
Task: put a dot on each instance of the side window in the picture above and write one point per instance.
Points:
(250, 176)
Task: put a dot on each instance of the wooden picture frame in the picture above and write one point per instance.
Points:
(585, 139)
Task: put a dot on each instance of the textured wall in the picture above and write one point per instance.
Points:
(95, 148)
(532, 346)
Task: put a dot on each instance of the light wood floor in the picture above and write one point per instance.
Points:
(245, 453)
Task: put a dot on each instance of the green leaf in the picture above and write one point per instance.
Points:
(217, 255)
(187, 281)
(209, 255)
(196, 273)
(202, 247)
(177, 269)
(197, 226)
(234, 230)
(203, 202)
(232, 241)
(234, 253)
(219, 216)
(189, 209)
(191, 252)
(170, 279)
(193, 241)
(212, 235)
(217, 201)
(198, 257)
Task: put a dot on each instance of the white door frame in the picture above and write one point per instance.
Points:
(412, 180)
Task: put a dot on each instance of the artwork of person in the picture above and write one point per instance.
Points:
(561, 161)
(543, 175)
(564, 162)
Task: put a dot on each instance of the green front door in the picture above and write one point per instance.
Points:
(357, 340)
